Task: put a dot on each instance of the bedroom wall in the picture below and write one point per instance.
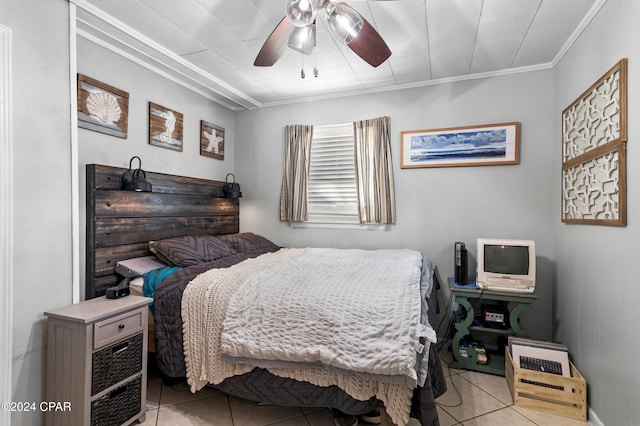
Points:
(596, 314)
(437, 206)
(143, 86)
(584, 268)
(42, 178)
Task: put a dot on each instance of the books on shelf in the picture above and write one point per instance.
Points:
(540, 355)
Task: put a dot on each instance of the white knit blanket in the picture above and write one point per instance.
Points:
(344, 316)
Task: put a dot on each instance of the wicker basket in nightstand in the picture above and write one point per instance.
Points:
(97, 362)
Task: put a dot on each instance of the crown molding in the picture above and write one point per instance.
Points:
(103, 29)
(425, 83)
(581, 27)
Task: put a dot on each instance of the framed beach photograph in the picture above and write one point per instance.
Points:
(211, 140)
(486, 145)
(165, 127)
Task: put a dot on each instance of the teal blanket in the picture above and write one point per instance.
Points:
(152, 280)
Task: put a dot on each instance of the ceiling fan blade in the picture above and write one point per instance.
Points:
(276, 43)
(370, 46)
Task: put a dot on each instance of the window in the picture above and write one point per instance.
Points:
(338, 174)
(332, 195)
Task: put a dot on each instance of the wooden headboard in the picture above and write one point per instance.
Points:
(120, 224)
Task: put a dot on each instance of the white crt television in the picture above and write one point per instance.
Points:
(506, 265)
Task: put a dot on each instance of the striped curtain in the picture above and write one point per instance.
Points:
(374, 170)
(297, 156)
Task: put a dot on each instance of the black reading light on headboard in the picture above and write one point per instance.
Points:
(231, 189)
(135, 180)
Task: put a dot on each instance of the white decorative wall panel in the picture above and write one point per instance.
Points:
(591, 190)
(594, 135)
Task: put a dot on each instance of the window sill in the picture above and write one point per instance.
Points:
(372, 227)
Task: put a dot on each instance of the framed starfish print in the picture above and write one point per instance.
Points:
(211, 140)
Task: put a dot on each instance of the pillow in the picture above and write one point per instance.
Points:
(190, 250)
(138, 266)
(248, 242)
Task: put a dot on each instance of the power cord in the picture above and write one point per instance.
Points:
(454, 317)
(453, 385)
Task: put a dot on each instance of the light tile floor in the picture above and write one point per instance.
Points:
(472, 399)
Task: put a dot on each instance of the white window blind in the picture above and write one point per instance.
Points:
(332, 195)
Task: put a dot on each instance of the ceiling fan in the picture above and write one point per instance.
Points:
(297, 30)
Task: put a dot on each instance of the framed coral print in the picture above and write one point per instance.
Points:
(491, 144)
(165, 127)
(102, 108)
(594, 137)
(211, 140)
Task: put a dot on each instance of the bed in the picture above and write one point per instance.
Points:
(120, 226)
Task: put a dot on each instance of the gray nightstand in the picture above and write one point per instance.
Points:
(97, 362)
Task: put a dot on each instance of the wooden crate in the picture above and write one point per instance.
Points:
(526, 393)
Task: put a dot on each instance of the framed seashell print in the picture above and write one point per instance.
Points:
(102, 108)
(165, 127)
(211, 140)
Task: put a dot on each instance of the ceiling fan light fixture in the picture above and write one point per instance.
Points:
(301, 13)
(345, 22)
(303, 39)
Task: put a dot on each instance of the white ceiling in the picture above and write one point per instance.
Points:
(210, 45)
